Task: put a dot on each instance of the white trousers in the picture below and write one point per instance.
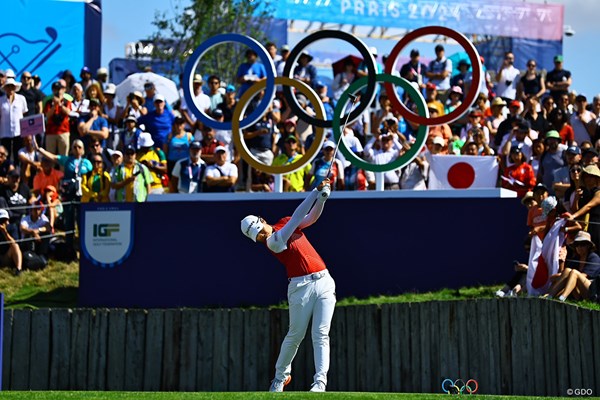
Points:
(308, 296)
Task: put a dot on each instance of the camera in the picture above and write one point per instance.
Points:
(508, 83)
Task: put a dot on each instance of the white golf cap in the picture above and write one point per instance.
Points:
(329, 143)
(111, 88)
(159, 97)
(220, 148)
(373, 50)
(145, 140)
(251, 226)
(113, 152)
(438, 140)
(4, 214)
(102, 71)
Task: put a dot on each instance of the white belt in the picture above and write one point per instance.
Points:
(310, 277)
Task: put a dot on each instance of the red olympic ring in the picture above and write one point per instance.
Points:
(469, 98)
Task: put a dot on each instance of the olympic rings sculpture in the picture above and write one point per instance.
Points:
(459, 386)
(239, 121)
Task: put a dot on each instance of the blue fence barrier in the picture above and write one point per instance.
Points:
(189, 251)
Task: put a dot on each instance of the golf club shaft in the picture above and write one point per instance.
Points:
(337, 145)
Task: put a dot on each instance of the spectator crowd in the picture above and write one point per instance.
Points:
(544, 137)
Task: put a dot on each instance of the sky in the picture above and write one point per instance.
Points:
(131, 20)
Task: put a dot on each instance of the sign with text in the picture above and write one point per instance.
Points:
(33, 125)
(108, 235)
(508, 18)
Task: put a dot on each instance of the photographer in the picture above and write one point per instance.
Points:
(507, 78)
(135, 106)
(57, 112)
(75, 166)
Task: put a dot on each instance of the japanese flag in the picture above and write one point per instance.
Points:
(543, 259)
(462, 172)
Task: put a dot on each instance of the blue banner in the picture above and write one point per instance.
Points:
(45, 37)
(506, 18)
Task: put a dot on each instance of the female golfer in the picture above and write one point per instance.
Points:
(311, 291)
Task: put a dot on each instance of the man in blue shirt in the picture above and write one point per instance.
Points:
(159, 122)
(93, 125)
(250, 72)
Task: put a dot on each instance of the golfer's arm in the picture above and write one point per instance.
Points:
(314, 213)
(298, 216)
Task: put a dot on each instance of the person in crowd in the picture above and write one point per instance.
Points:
(519, 176)
(116, 157)
(159, 121)
(13, 107)
(433, 98)
(460, 78)
(135, 106)
(537, 150)
(5, 166)
(222, 175)
(94, 91)
(439, 72)
(442, 131)
(250, 72)
(75, 166)
(343, 79)
(582, 120)
(414, 70)
(493, 122)
(178, 143)
(260, 140)
(33, 96)
(516, 284)
(559, 121)
(575, 190)
(382, 114)
(188, 173)
(93, 126)
(150, 97)
(95, 185)
(130, 133)
(280, 65)
(562, 177)
(535, 117)
(10, 252)
(578, 274)
(102, 78)
(477, 136)
(551, 161)
(131, 180)
(202, 101)
(455, 97)
(35, 225)
(153, 158)
(475, 122)
(383, 149)
(589, 156)
(531, 84)
(112, 112)
(590, 210)
(46, 176)
(209, 145)
(57, 112)
(80, 103)
(305, 71)
(320, 166)
(86, 78)
(558, 81)
(507, 78)
(29, 161)
(215, 95)
(536, 221)
(68, 80)
(294, 181)
(228, 103)
(17, 195)
(506, 126)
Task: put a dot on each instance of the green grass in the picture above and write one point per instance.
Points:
(236, 396)
(56, 286)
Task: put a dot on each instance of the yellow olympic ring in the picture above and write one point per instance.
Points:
(237, 134)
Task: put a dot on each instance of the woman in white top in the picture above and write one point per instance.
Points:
(12, 108)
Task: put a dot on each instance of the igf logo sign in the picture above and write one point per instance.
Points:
(105, 230)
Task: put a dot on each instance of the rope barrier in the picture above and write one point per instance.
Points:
(41, 237)
(30, 206)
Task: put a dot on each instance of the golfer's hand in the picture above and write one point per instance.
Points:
(325, 182)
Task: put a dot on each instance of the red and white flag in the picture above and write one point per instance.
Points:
(462, 172)
(543, 259)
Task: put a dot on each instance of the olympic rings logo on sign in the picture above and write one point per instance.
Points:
(239, 121)
(459, 386)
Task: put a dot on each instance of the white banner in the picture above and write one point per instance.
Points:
(108, 236)
(462, 172)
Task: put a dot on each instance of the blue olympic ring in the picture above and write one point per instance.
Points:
(459, 386)
(194, 60)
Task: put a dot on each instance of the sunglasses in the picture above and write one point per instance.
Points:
(576, 170)
(214, 83)
(97, 144)
(129, 153)
(97, 161)
(531, 65)
(3, 155)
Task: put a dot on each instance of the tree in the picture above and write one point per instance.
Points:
(177, 37)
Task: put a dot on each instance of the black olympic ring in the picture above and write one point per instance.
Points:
(366, 99)
(459, 386)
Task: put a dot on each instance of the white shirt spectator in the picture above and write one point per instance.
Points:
(11, 114)
(579, 126)
(507, 87)
(202, 102)
(445, 64)
(227, 169)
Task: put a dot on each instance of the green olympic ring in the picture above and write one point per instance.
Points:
(237, 133)
(403, 159)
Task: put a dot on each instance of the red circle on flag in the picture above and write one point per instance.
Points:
(461, 175)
